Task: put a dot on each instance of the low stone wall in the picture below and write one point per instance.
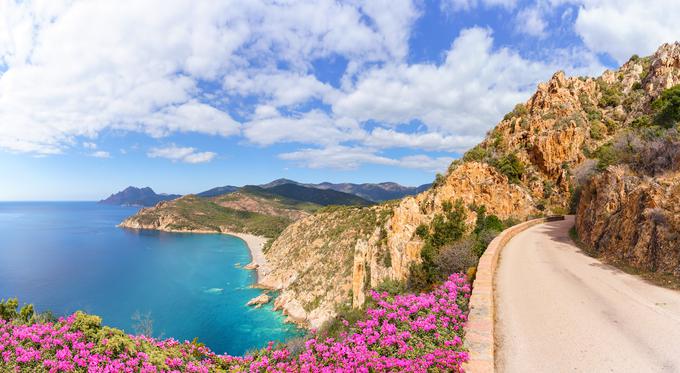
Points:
(479, 330)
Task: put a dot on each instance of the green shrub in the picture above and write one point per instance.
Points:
(511, 167)
(597, 130)
(667, 107)
(518, 111)
(439, 180)
(606, 155)
(444, 229)
(548, 188)
(422, 231)
(392, 287)
(574, 200)
(8, 309)
(642, 121)
(611, 94)
(476, 154)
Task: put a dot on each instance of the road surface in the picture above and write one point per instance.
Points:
(559, 310)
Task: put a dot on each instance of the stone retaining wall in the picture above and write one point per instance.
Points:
(479, 330)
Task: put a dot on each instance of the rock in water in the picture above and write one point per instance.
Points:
(259, 300)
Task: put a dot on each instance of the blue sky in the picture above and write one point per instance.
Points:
(183, 96)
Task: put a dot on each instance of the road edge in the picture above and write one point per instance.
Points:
(480, 328)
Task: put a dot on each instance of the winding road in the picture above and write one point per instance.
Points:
(559, 310)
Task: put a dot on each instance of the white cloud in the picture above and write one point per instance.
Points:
(432, 141)
(315, 126)
(101, 154)
(75, 69)
(348, 158)
(465, 5)
(89, 145)
(181, 154)
(622, 28)
(465, 95)
(530, 21)
(277, 87)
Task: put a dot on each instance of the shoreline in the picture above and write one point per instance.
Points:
(255, 245)
(258, 261)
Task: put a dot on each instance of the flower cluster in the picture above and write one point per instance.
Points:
(402, 333)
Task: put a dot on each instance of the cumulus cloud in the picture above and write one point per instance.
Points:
(181, 154)
(269, 126)
(465, 95)
(73, 69)
(622, 28)
(348, 158)
(460, 5)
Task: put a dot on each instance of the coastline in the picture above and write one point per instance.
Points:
(255, 245)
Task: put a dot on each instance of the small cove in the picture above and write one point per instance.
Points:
(67, 256)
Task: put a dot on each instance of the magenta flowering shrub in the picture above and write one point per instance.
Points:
(402, 333)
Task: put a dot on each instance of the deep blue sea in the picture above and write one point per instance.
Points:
(68, 256)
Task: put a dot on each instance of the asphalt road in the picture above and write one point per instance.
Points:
(559, 310)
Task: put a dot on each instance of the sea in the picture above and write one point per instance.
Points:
(69, 256)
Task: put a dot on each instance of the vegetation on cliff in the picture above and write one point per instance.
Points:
(191, 213)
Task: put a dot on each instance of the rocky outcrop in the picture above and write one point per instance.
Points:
(259, 300)
(632, 219)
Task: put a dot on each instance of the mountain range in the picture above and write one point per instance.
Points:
(340, 194)
(132, 196)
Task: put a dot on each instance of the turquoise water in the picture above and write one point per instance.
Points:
(68, 256)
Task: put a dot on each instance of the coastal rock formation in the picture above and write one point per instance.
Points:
(530, 163)
(223, 214)
(259, 300)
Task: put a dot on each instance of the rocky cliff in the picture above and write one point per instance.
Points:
(531, 163)
(633, 219)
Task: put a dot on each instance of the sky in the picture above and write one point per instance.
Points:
(183, 96)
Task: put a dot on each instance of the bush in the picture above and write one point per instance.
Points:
(392, 287)
(518, 111)
(642, 121)
(439, 180)
(667, 107)
(611, 94)
(606, 156)
(456, 257)
(574, 200)
(444, 229)
(597, 130)
(476, 154)
(511, 167)
(483, 239)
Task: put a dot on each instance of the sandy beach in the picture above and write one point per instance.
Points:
(255, 245)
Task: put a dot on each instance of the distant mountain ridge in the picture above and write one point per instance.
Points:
(218, 191)
(319, 196)
(375, 192)
(132, 196)
(323, 193)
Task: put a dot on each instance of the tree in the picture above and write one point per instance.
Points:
(667, 107)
